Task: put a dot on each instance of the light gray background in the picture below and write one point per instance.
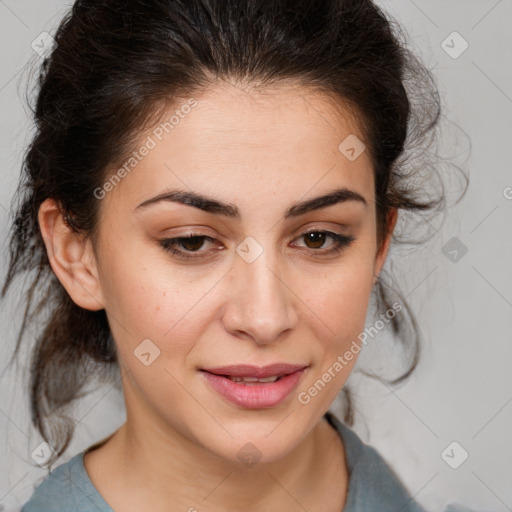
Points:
(462, 390)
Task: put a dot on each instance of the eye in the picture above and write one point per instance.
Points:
(184, 247)
(191, 243)
(316, 239)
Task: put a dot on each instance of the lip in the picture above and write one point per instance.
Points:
(255, 395)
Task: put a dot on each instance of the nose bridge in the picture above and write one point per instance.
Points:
(262, 305)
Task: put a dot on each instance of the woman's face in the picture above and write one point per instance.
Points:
(255, 290)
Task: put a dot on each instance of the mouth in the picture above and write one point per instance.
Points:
(252, 387)
(246, 371)
(253, 380)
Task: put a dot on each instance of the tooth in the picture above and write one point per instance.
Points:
(269, 379)
(253, 380)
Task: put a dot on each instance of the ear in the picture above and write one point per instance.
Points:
(382, 251)
(71, 257)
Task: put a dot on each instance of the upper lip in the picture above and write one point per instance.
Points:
(260, 372)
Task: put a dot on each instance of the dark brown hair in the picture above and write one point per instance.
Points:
(115, 66)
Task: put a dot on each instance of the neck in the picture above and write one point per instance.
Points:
(155, 465)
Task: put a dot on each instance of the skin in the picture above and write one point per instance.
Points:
(263, 152)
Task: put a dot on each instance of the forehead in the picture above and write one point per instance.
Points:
(283, 116)
(276, 141)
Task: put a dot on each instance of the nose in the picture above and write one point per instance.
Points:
(261, 304)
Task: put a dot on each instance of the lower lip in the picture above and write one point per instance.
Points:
(255, 396)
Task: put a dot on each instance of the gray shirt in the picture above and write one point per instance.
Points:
(372, 485)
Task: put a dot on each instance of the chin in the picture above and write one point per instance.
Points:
(252, 444)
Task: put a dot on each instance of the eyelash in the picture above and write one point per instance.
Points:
(169, 244)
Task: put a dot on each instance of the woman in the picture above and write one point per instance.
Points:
(212, 191)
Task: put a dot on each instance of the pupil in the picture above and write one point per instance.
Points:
(190, 242)
(316, 238)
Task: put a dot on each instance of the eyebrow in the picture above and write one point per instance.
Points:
(211, 205)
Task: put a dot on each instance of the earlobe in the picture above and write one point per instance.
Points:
(71, 257)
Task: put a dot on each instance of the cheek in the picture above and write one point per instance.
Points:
(149, 298)
(341, 306)
(342, 300)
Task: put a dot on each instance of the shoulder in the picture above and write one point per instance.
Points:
(66, 488)
(373, 485)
